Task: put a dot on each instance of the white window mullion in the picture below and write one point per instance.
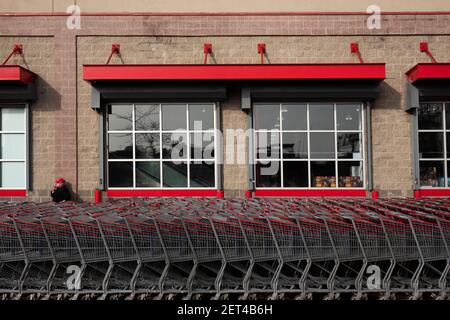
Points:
(308, 136)
(188, 151)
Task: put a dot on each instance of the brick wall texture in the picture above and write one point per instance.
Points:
(65, 129)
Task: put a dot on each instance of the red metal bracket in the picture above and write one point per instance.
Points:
(115, 49)
(354, 48)
(262, 51)
(17, 49)
(207, 49)
(424, 48)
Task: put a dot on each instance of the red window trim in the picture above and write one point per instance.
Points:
(355, 71)
(310, 193)
(119, 193)
(434, 192)
(12, 193)
(423, 71)
(16, 73)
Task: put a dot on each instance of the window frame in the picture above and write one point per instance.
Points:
(26, 159)
(444, 131)
(308, 131)
(161, 159)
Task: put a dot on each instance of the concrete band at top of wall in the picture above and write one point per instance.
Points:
(215, 6)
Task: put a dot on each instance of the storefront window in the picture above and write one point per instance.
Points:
(434, 144)
(317, 145)
(13, 147)
(161, 146)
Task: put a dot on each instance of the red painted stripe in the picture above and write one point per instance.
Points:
(375, 71)
(429, 71)
(310, 193)
(16, 73)
(13, 193)
(163, 14)
(434, 192)
(162, 193)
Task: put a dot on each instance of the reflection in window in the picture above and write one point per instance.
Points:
(348, 117)
(431, 144)
(295, 145)
(348, 146)
(432, 174)
(267, 117)
(120, 174)
(148, 174)
(174, 145)
(268, 174)
(350, 174)
(202, 174)
(323, 174)
(295, 174)
(120, 146)
(147, 117)
(434, 139)
(120, 117)
(321, 145)
(13, 151)
(430, 116)
(146, 150)
(321, 117)
(174, 174)
(294, 117)
(147, 145)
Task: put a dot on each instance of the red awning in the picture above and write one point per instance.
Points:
(16, 73)
(366, 71)
(422, 71)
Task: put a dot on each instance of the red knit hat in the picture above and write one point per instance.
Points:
(60, 180)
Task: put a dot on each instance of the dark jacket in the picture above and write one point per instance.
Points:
(60, 194)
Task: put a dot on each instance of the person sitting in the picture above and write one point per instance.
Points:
(60, 192)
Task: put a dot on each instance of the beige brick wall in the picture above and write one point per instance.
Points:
(391, 125)
(38, 56)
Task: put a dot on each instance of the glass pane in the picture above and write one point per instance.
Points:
(432, 174)
(13, 146)
(322, 145)
(268, 145)
(323, 174)
(120, 174)
(147, 117)
(147, 146)
(348, 146)
(174, 145)
(268, 174)
(321, 117)
(13, 119)
(201, 117)
(295, 174)
(447, 115)
(294, 117)
(202, 175)
(350, 174)
(448, 145)
(430, 116)
(173, 117)
(148, 174)
(267, 116)
(295, 146)
(120, 146)
(120, 117)
(202, 145)
(13, 175)
(431, 144)
(348, 117)
(448, 174)
(174, 174)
